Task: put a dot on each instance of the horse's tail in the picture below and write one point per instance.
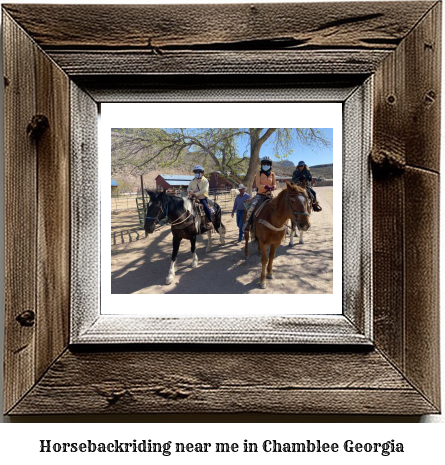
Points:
(218, 223)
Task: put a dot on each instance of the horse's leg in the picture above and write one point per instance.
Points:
(171, 273)
(293, 232)
(301, 237)
(222, 234)
(195, 256)
(209, 243)
(263, 250)
(273, 249)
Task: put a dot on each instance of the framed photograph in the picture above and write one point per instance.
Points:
(350, 322)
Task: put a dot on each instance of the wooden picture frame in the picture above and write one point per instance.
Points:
(56, 72)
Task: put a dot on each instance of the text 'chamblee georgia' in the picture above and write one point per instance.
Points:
(268, 446)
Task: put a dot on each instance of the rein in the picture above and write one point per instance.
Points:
(295, 213)
(164, 221)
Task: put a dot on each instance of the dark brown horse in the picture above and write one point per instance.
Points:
(180, 214)
(270, 227)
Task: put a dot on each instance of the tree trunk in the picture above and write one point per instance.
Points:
(254, 159)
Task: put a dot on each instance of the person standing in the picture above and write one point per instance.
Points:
(238, 207)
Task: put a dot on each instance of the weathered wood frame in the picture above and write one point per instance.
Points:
(78, 56)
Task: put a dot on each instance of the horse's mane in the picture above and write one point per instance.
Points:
(291, 188)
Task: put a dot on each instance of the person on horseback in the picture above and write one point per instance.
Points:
(199, 188)
(302, 173)
(265, 182)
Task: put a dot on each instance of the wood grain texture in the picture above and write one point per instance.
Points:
(223, 382)
(78, 63)
(406, 277)
(20, 213)
(423, 91)
(85, 211)
(153, 27)
(422, 281)
(399, 41)
(53, 229)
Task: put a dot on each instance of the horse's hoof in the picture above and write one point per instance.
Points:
(222, 242)
(263, 285)
(169, 280)
(301, 242)
(194, 265)
(270, 276)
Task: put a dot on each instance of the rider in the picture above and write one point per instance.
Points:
(265, 182)
(199, 187)
(302, 173)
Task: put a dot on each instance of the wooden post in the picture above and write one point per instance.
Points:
(143, 196)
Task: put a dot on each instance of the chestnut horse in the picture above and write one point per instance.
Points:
(291, 203)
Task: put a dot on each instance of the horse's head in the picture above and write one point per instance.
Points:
(156, 211)
(298, 202)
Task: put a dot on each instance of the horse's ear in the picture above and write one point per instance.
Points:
(288, 185)
(151, 194)
(303, 184)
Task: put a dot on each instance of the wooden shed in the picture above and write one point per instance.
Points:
(114, 187)
(216, 181)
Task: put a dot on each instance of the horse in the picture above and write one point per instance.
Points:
(294, 225)
(234, 192)
(185, 224)
(291, 203)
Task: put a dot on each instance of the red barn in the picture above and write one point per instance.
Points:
(172, 181)
(216, 181)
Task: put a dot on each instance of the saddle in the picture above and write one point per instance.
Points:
(262, 200)
(199, 209)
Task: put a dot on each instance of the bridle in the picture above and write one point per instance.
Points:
(295, 213)
(163, 221)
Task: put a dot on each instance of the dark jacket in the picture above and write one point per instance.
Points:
(299, 176)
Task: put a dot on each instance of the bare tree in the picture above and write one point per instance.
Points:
(217, 149)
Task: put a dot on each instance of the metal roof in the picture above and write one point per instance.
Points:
(114, 183)
(176, 177)
(178, 183)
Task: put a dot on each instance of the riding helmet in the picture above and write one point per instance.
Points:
(266, 161)
(198, 169)
(301, 163)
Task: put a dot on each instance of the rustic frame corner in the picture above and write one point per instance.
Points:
(80, 68)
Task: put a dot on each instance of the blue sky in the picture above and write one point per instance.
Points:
(311, 155)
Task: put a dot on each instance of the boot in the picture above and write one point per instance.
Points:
(316, 206)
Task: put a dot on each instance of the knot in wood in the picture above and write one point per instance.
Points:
(37, 126)
(26, 318)
(430, 97)
(391, 99)
(385, 162)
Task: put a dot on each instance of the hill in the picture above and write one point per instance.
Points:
(323, 171)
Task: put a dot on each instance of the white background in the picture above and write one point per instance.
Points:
(19, 442)
(219, 115)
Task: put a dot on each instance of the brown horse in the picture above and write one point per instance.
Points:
(270, 227)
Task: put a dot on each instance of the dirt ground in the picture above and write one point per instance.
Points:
(140, 265)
